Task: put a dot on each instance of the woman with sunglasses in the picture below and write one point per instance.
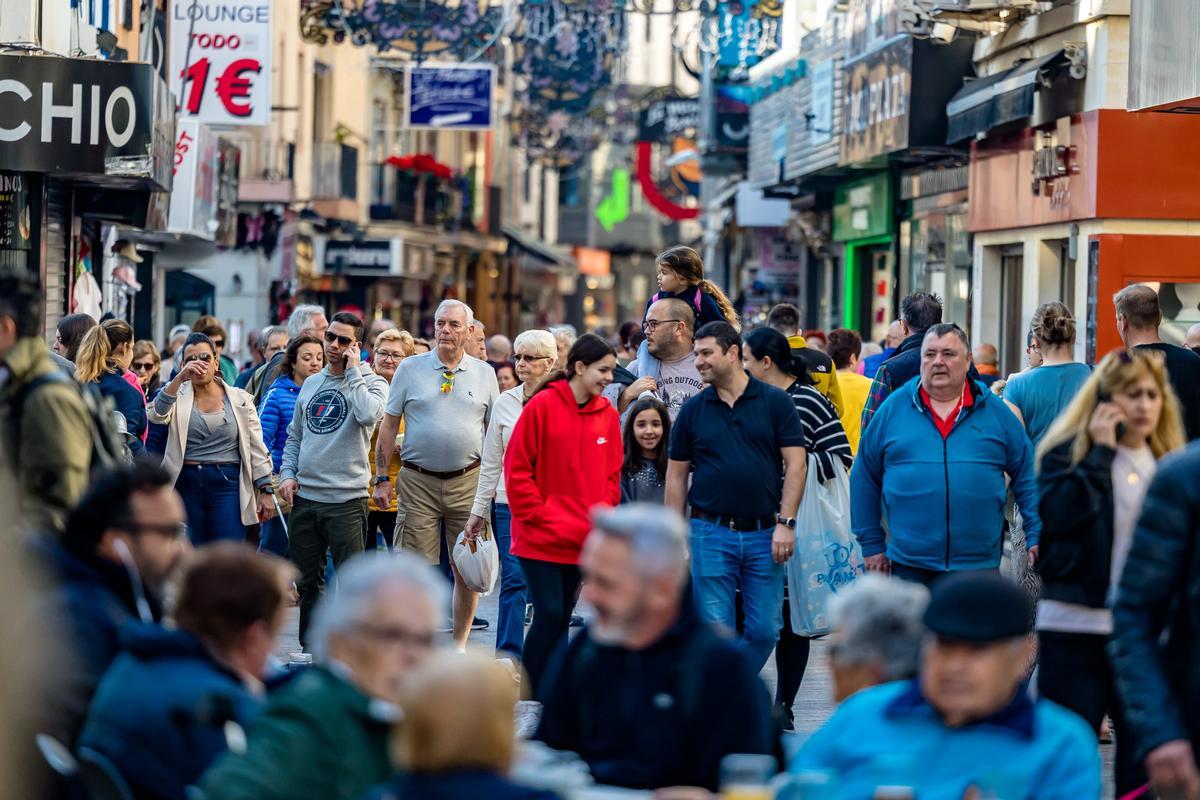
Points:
(214, 447)
(147, 365)
(535, 353)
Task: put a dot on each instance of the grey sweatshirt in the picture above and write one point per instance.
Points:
(329, 438)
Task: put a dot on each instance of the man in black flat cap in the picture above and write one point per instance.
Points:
(965, 722)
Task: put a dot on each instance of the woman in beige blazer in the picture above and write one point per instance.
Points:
(215, 448)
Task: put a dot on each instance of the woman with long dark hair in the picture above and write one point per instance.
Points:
(768, 357)
(644, 469)
(69, 334)
(563, 458)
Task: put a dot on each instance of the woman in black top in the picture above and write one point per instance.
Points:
(768, 357)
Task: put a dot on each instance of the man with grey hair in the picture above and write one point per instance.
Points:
(636, 692)
(273, 339)
(499, 349)
(944, 446)
(564, 336)
(477, 341)
(877, 633)
(326, 733)
(446, 399)
(310, 320)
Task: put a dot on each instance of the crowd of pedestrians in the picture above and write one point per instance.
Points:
(1002, 567)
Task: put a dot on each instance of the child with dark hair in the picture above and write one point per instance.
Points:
(644, 469)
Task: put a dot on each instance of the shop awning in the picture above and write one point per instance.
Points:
(985, 103)
(539, 250)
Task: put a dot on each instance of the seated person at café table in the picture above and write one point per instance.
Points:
(965, 726)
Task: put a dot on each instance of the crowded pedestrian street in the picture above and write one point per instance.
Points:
(600, 400)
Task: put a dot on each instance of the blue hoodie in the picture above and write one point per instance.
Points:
(275, 415)
(943, 499)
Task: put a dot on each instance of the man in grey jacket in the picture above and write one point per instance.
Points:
(326, 469)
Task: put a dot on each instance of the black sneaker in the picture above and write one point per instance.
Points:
(786, 717)
(479, 624)
(576, 621)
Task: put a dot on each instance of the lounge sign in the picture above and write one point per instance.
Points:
(878, 95)
(83, 117)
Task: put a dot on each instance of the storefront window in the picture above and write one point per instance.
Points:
(935, 254)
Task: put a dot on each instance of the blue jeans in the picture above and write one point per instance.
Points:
(510, 628)
(211, 497)
(724, 561)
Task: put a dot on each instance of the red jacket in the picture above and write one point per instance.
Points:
(560, 462)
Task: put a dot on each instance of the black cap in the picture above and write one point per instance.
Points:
(978, 607)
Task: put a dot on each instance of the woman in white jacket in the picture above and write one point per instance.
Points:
(535, 353)
(214, 449)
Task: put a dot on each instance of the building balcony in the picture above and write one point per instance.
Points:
(267, 170)
(334, 192)
(419, 200)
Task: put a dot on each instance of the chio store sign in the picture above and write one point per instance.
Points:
(77, 116)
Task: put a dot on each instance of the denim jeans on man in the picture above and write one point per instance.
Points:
(724, 561)
(210, 496)
(510, 631)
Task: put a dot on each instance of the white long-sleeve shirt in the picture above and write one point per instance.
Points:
(491, 470)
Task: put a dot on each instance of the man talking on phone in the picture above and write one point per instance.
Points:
(326, 469)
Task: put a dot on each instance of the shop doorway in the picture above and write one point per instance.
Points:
(186, 298)
(1012, 326)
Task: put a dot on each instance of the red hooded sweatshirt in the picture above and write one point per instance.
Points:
(560, 462)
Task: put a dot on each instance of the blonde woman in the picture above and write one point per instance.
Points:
(103, 358)
(387, 351)
(214, 447)
(1096, 462)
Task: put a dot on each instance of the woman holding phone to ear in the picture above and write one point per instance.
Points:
(1095, 463)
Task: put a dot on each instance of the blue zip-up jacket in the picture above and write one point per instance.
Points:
(943, 499)
(890, 734)
(275, 415)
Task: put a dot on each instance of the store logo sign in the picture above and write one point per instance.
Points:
(112, 117)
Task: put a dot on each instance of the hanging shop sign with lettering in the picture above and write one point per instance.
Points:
(86, 117)
(221, 60)
(668, 117)
(459, 97)
(876, 109)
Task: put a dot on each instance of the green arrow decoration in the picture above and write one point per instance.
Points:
(615, 207)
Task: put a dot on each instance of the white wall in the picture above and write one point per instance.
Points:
(247, 307)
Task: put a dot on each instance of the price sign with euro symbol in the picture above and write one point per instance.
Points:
(221, 60)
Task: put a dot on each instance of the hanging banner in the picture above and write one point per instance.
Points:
(220, 57)
(669, 117)
(459, 97)
(196, 183)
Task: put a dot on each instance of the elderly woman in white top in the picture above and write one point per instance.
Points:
(535, 355)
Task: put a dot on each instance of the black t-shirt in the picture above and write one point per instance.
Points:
(1183, 368)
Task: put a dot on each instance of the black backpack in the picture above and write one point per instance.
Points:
(108, 450)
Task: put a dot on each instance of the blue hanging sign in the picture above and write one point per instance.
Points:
(458, 97)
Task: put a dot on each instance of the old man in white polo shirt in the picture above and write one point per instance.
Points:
(445, 398)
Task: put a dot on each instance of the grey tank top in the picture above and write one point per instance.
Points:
(213, 437)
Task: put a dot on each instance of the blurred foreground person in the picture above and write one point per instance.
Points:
(325, 734)
(648, 694)
(121, 542)
(1155, 646)
(161, 710)
(964, 725)
(457, 739)
(877, 633)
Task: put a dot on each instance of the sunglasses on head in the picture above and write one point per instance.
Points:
(344, 341)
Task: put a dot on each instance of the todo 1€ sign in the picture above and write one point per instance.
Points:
(451, 97)
(221, 60)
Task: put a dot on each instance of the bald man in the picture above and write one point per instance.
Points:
(986, 363)
(1193, 337)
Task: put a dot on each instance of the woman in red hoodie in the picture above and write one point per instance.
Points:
(564, 457)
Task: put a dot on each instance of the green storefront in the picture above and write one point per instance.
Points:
(862, 222)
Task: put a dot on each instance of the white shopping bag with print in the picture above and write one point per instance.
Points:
(827, 556)
(477, 562)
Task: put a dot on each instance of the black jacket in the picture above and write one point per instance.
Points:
(645, 719)
(1076, 509)
(1159, 673)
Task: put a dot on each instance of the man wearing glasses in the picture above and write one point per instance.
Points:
(670, 370)
(326, 468)
(446, 399)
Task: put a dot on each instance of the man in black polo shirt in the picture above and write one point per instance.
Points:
(741, 440)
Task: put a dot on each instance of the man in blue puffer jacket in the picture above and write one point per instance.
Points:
(933, 465)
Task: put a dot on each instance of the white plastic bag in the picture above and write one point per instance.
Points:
(827, 556)
(477, 562)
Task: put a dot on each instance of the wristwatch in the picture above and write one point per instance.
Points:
(267, 488)
(787, 522)
(378, 479)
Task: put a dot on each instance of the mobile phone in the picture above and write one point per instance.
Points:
(1105, 397)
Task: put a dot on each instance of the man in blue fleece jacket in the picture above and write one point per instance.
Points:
(932, 467)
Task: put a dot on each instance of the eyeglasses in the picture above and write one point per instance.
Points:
(177, 530)
(389, 355)
(218, 342)
(389, 634)
(649, 325)
(203, 357)
(344, 341)
(143, 366)
(523, 357)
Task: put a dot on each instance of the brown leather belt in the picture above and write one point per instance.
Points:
(445, 476)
